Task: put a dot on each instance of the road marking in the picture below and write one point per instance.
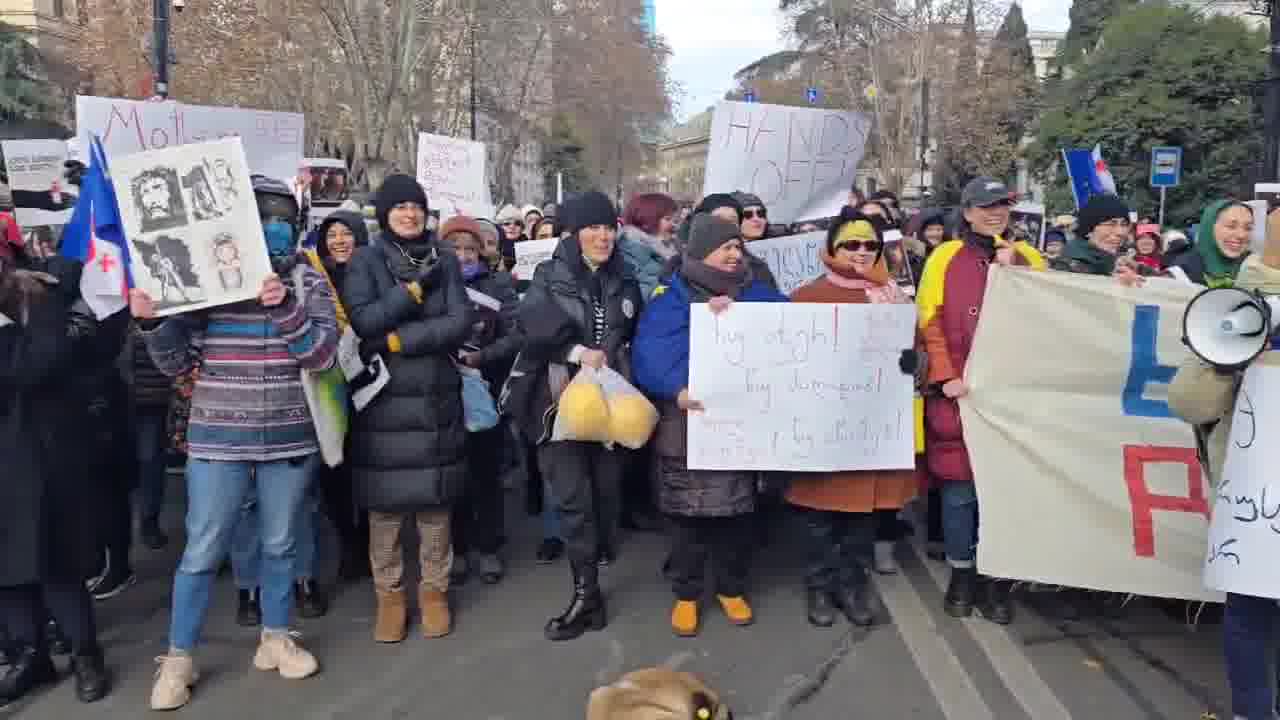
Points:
(1007, 658)
(952, 687)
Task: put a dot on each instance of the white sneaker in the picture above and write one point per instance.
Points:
(885, 562)
(279, 651)
(175, 677)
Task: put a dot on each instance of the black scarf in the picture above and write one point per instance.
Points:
(707, 282)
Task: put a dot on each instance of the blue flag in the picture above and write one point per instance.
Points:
(1088, 173)
(95, 236)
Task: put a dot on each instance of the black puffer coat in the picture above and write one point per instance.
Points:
(408, 447)
(495, 334)
(557, 315)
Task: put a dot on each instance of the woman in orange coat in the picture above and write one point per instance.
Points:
(839, 508)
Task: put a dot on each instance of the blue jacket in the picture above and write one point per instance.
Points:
(660, 350)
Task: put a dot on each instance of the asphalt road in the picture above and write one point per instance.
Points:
(914, 663)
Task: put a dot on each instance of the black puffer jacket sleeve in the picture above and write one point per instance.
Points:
(510, 336)
(441, 333)
(549, 332)
(373, 314)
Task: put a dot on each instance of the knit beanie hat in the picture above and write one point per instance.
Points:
(462, 224)
(509, 213)
(587, 209)
(656, 694)
(708, 233)
(397, 189)
(856, 229)
(1100, 209)
(746, 199)
(714, 201)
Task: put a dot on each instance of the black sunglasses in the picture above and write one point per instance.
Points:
(866, 245)
(753, 214)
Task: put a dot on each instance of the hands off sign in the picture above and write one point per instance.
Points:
(806, 387)
(800, 161)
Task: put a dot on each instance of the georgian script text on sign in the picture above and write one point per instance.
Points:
(452, 173)
(794, 260)
(801, 387)
(530, 254)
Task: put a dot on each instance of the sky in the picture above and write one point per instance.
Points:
(713, 39)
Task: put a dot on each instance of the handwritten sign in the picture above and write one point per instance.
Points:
(35, 178)
(272, 140)
(793, 259)
(803, 387)
(1244, 535)
(452, 171)
(530, 254)
(800, 161)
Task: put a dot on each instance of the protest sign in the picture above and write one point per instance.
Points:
(794, 259)
(805, 387)
(800, 161)
(189, 214)
(530, 254)
(452, 171)
(1244, 535)
(1027, 218)
(272, 140)
(1084, 477)
(35, 179)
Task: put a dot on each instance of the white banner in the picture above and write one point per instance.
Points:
(272, 140)
(452, 171)
(35, 176)
(800, 161)
(793, 259)
(1244, 536)
(195, 239)
(530, 254)
(1084, 477)
(804, 387)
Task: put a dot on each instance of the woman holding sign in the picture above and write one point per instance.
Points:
(840, 509)
(710, 511)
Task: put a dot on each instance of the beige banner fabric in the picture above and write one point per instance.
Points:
(1083, 477)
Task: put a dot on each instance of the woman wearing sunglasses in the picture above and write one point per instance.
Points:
(755, 218)
(839, 507)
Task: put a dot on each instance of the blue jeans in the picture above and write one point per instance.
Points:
(1248, 632)
(152, 440)
(216, 493)
(246, 543)
(552, 523)
(960, 523)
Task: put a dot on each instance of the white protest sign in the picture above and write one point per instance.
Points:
(800, 161)
(1244, 532)
(272, 140)
(530, 254)
(452, 171)
(35, 179)
(804, 387)
(793, 259)
(195, 240)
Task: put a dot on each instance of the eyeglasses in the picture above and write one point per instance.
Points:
(752, 214)
(865, 246)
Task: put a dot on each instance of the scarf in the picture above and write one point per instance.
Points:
(707, 282)
(879, 287)
(666, 249)
(1097, 261)
(471, 271)
(1219, 270)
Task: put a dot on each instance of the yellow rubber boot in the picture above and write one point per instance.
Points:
(684, 618)
(737, 609)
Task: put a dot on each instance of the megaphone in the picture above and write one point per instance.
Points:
(1229, 327)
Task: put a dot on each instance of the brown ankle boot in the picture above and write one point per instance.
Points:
(436, 620)
(389, 627)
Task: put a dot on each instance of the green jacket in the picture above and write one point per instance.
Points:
(1206, 398)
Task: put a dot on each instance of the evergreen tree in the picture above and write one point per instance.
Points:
(1010, 73)
(1087, 20)
(25, 95)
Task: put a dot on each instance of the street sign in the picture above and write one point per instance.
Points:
(1166, 167)
(811, 94)
(749, 96)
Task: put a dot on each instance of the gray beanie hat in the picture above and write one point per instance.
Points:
(707, 234)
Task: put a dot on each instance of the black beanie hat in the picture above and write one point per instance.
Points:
(707, 234)
(587, 209)
(1099, 209)
(715, 201)
(397, 189)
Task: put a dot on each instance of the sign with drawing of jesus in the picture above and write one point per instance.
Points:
(195, 240)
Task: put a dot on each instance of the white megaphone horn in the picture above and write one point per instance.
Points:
(1229, 327)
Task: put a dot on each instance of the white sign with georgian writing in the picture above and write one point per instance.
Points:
(451, 171)
(794, 260)
(1244, 533)
(803, 387)
(530, 254)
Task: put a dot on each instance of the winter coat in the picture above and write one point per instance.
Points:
(151, 390)
(644, 261)
(558, 317)
(1082, 258)
(949, 300)
(660, 363)
(495, 329)
(408, 446)
(853, 491)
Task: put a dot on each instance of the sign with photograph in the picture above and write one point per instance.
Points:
(195, 240)
(35, 179)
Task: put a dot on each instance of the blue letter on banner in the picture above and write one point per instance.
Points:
(1145, 367)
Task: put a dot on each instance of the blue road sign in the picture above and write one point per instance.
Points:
(812, 95)
(1166, 167)
(749, 96)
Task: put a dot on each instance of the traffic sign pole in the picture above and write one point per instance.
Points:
(1163, 190)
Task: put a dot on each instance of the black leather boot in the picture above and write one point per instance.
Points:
(997, 601)
(311, 599)
(55, 640)
(90, 673)
(819, 608)
(31, 668)
(855, 600)
(586, 609)
(248, 608)
(960, 593)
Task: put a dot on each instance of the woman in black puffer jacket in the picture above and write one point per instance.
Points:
(407, 303)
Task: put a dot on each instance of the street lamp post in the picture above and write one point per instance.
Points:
(160, 46)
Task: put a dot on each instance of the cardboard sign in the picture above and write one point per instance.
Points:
(195, 239)
(272, 140)
(800, 161)
(35, 178)
(452, 171)
(793, 259)
(530, 254)
(804, 387)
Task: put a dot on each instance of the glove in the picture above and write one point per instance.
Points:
(909, 362)
(373, 346)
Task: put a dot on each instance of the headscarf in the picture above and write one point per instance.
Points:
(1219, 270)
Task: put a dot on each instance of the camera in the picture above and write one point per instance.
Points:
(179, 5)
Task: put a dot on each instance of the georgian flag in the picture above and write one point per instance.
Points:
(1106, 184)
(95, 236)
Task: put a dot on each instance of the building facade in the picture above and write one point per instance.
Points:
(682, 159)
(53, 24)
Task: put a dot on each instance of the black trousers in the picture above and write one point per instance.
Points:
(725, 542)
(834, 544)
(586, 480)
(349, 521)
(119, 477)
(933, 510)
(477, 515)
(24, 609)
(637, 484)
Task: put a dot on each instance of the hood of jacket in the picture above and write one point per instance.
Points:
(1219, 270)
(352, 220)
(663, 250)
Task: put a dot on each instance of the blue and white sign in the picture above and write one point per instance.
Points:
(1166, 167)
(811, 94)
(749, 96)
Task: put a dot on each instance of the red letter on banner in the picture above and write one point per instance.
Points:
(1144, 502)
